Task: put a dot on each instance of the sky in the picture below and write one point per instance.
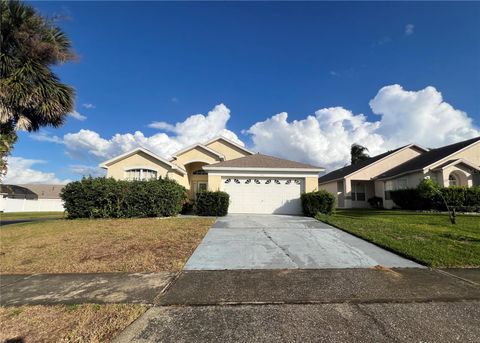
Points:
(297, 80)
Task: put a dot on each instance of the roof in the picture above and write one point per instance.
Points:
(32, 191)
(428, 158)
(145, 151)
(345, 171)
(261, 161)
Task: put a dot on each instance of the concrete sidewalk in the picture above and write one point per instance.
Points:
(82, 288)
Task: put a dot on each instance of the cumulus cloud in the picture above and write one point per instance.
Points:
(325, 138)
(20, 171)
(421, 117)
(197, 128)
(77, 115)
(409, 29)
(88, 106)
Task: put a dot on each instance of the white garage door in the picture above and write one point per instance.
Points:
(264, 195)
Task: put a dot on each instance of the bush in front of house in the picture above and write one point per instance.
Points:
(430, 196)
(376, 202)
(212, 204)
(109, 198)
(318, 202)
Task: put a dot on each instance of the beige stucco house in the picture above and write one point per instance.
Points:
(456, 164)
(256, 183)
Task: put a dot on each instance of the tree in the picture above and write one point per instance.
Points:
(31, 95)
(358, 153)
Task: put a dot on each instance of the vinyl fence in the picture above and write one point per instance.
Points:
(28, 205)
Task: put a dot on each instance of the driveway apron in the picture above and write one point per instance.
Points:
(285, 242)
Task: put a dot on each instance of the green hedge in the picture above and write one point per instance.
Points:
(462, 198)
(315, 202)
(212, 204)
(109, 198)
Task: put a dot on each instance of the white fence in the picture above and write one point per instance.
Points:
(28, 205)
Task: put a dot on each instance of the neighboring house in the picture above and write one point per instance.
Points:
(256, 183)
(31, 198)
(452, 165)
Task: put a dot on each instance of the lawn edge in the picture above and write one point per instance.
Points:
(399, 253)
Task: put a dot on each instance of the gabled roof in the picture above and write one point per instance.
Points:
(145, 151)
(218, 138)
(201, 146)
(260, 161)
(353, 168)
(455, 163)
(428, 159)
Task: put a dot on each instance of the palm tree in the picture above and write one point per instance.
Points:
(31, 95)
(358, 153)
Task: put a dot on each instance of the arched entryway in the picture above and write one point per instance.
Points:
(197, 177)
(457, 178)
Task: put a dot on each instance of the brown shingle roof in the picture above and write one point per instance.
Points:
(428, 158)
(343, 172)
(261, 161)
(44, 191)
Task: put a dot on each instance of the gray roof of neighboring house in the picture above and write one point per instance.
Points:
(345, 171)
(428, 158)
(32, 191)
(261, 161)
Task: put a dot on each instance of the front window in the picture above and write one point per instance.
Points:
(199, 172)
(388, 189)
(358, 191)
(402, 183)
(141, 174)
(452, 180)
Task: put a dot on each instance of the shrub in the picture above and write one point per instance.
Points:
(315, 202)
(109, 198)
(430, 196)
(410, 199)
(212, 204)
(375, 202)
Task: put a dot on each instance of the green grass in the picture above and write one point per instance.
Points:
(425, 237)
(29, 215)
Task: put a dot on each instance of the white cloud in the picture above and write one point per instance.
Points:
(20, 171)
(420, 116)
(325, 138)
(409, 29)
(83, 170)
(197, 128)
(44, 136)
(77, 115)
(89, 106)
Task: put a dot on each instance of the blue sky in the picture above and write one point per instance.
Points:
(163, 62)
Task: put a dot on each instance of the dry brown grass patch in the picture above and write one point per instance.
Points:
(90, 246)
(66, 323)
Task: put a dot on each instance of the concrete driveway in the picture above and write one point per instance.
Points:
(285, 242)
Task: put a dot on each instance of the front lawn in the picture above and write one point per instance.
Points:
(30, 215)
(103, 245)
(426, 237)
(66, 323)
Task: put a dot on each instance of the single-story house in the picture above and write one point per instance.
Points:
(30, 198)
(256, 183)
(452, 165)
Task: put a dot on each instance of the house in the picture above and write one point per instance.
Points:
(256, 183)
(452, 165)
(31, 198)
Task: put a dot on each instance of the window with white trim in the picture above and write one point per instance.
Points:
(358, 191)
(140, 174)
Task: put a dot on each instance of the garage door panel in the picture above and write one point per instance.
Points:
(264, 195)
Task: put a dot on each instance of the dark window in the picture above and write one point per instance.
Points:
(199, 172)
